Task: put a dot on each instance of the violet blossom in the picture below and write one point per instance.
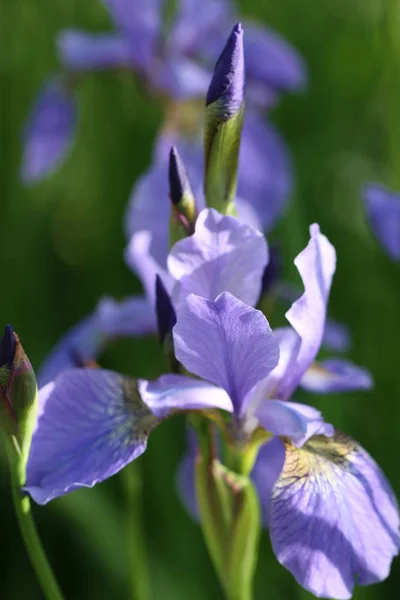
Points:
(383, 211)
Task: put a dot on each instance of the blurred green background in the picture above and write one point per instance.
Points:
(61, 245)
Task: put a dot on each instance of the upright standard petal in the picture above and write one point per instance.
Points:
(81, 51)
(140, 22)
(332, 516)
(176, 393)
(335, 375)
(316, 265)
(49, 130)
(91, 423)
(223, 255)
(86, 340)
(225, 342)
(265, 177)
(383, 210)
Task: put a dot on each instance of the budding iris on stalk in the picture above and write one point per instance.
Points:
(18, 391)
(223, 124)
(184, 211)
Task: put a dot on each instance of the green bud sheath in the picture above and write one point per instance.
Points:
(19, 396)
(223, 125)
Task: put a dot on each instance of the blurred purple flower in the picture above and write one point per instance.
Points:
(176, 63)
(49, 131)
(383, 211)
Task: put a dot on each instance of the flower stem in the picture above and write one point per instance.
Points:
(29, 533)
(139, 573)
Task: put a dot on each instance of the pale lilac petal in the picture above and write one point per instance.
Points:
(174, 393)
(49, 131)
(289, 344)
(80, 50)
(140, 21)
(333, 518)
(383, 210)
(225, 342)
(267, 468)
(298, 422)
(147, 225)
(265, 172)
(335, 375)
(271, 59)
(91, 423)
(223, 255)
(316, 265)
(86, 340)
(150, 199)
(139, 255)
(193, 27)
(133, 316)
(180, 78)
(336, 336)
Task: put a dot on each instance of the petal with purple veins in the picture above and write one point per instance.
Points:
(226, 342)
(298, 422)
(316, 265)
(90, 424)
(49, 130)
(335, 375)
(223, 254)
(332, 516)
(176, 393)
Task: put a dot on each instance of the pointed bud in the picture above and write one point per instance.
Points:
(183, 202)
(223, 125)
(166, 319)
(18, 391)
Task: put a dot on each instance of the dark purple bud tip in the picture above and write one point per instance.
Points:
(273, 269)
(166, 316)
(7, 347)
(178, 179)
(228, 80)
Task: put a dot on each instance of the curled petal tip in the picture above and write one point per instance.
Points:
(228, 82)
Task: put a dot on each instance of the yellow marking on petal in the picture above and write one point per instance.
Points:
(318, 459)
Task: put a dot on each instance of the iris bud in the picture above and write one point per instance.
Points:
(223, 124)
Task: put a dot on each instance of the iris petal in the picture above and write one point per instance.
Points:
(223, 255)
(332, 516)
(91, 423)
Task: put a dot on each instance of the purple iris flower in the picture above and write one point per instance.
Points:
(332, 516)
(383, 211)
(175, 64)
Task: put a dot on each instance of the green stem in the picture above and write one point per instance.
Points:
(30, 535)
(139, 573)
